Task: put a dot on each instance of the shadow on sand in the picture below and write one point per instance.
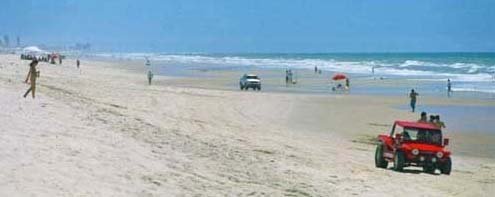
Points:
(413, 171)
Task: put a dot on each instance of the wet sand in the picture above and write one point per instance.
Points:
(104, 131)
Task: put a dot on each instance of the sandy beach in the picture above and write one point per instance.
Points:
(103, 131)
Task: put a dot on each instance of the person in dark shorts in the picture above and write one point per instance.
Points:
(286, 77)
(413, 96)
(449, 88)
(150, 76)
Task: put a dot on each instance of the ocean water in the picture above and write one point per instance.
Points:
(469, 72)
(464, 119)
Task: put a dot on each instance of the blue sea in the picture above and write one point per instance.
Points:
(469, 72)
(460, 118)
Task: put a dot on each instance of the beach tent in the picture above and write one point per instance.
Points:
(33, 50)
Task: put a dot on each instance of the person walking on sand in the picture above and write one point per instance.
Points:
(373, 72)
(32, 75)
(449, 87)
(150, 77)
(347, 84)
(316, 69)
(413, 96)
(78, 63)
(286, 77)
(150, 72)
(52, 59)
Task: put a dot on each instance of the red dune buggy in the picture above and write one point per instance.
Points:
(414, 144)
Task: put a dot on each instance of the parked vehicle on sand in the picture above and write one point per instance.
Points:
(414, 144)
(250, 81)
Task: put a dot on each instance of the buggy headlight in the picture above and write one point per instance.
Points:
(415, 152)
(439, 154)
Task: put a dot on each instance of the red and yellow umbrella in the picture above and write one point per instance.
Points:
(339, 76)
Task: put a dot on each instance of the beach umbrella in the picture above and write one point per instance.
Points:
(338, 77)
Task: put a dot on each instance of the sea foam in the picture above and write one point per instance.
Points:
(458, 71)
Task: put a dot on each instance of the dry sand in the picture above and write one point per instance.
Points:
(105, 132)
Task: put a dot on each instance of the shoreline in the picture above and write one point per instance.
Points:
(469, 77)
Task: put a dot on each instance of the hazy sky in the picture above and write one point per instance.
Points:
(255, 25)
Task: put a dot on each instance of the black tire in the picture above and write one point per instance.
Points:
(259, 88)
(380, 162)
(446, 167)
(399, 161)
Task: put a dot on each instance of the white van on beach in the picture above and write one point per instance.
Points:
(250, 81)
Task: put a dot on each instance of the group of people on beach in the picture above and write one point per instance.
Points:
(33, 57)
(434, 119)
(43, 58)
(289, 77)
(346, 87)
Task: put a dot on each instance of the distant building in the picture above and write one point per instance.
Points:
(81, 46)
(6, 40)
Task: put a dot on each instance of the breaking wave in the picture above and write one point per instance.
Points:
(459, 71)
